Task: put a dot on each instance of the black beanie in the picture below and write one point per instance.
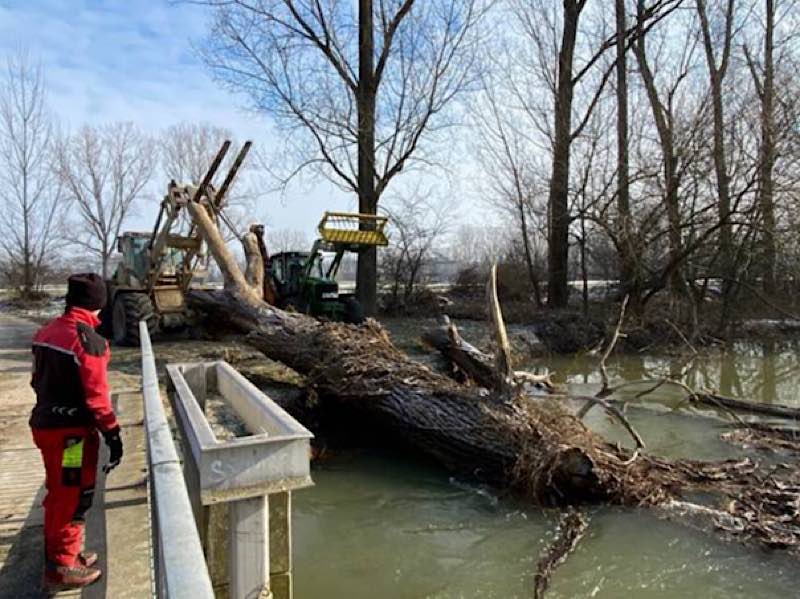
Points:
(86, 290)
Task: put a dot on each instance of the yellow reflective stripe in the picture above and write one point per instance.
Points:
(73, 455)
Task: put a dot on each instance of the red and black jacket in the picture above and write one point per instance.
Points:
(70, 362)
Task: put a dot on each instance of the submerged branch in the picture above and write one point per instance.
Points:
(617, 334)
(571, 528)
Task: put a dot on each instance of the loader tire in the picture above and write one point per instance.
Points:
(106, 328)
(127, 311)
(353, 311)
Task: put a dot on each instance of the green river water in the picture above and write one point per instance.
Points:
(383, 525)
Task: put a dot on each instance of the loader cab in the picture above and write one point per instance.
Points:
(287, 272)
(134, 264)
(134, 261)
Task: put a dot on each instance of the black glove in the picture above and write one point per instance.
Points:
(114, 442)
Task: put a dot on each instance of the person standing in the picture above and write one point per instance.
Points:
(70, 363)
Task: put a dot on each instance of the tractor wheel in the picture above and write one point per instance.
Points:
(127, 311)
(353, 311)
(106, 328)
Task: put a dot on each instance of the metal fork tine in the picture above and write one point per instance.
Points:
(232, 173)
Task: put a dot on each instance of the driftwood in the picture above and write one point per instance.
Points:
(531, 445)
(466, 359)
(712, 400)
(765, 437)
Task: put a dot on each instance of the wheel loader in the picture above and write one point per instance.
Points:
(157, 268)
(307, 282)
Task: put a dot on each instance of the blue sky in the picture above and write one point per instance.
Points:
(132, 60)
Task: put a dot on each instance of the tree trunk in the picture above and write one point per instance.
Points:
(558, 200)
(367, 268)
(662, 115)
(717, 72)
(628, 275)
(254, 263)
(27, 287)
(768, 153)
(104, 257)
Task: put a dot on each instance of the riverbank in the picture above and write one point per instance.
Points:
(664, 325)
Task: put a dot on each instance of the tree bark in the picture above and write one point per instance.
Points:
(558, 200)
(254, 263)
(367, 268)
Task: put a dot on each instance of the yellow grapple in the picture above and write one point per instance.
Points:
(353, 228)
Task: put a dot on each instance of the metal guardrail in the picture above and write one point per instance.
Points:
(179, 565)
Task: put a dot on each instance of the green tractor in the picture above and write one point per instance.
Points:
(306, 281)
(157, 268)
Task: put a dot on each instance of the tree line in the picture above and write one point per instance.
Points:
(663, 130)
(671, 133)
(67, 195)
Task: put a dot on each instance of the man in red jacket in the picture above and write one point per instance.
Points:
(70, 362)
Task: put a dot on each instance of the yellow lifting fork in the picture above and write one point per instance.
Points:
(353, 228)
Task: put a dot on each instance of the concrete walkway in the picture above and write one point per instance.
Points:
(117, 524)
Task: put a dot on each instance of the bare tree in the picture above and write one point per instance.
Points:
(286, 240)
(718, 56)
(104, 170)
(765, 89)
(629, 274)
(478, 244)
(675, 159)
(31, 202)
(558, 202)
(504, 151)
(568, 49)
(187, 150)
(418, 221)
(354, 107)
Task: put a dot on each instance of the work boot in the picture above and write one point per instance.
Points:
(87, 558)
(61, 578)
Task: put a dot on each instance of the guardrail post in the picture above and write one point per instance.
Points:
(280, 545)
(249, 548)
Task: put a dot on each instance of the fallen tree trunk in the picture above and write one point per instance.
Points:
(531, 445)
(713, 400)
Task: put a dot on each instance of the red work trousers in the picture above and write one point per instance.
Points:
(70, 463)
